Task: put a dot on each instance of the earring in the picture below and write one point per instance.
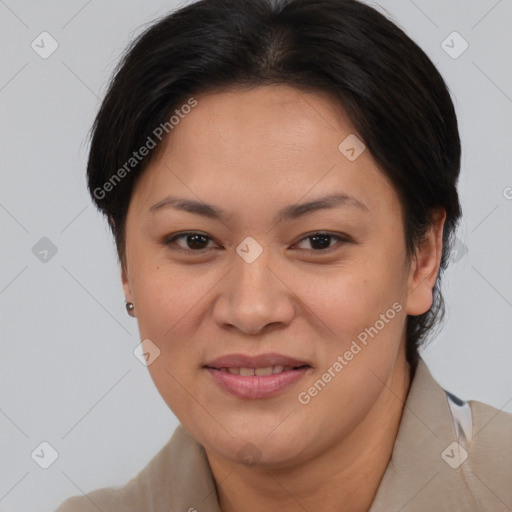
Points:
(129, 308)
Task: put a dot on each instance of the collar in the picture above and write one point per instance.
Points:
(423, 445)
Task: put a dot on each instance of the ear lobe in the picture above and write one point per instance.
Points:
(425, 267)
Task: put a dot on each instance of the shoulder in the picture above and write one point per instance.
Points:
(149, 489)
(484, 431)
(482, 450)
(449, 454)
(131, 497)
(490, 448)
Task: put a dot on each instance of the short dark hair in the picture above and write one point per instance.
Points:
(393, 94)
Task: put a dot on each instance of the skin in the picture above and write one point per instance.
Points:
(252, 152)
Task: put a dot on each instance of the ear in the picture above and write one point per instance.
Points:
(425, 267)
(126, 284)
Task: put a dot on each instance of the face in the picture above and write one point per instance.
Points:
(253, 241)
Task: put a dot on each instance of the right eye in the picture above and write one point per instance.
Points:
(191, 242)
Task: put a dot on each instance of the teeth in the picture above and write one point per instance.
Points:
(264, 371)
(250, 372)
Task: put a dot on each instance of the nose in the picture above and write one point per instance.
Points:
(254, 297)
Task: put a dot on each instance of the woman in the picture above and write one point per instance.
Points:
(280, 179)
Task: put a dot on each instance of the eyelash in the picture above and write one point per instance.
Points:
(342, 239)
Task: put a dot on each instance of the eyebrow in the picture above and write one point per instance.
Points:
(290, 212)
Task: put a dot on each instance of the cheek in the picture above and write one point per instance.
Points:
(352, 296)
(169, 314)
(166, 296)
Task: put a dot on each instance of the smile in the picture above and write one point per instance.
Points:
(249, 372)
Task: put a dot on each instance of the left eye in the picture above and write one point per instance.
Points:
(322, 241)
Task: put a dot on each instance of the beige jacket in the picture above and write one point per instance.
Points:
(448, 456)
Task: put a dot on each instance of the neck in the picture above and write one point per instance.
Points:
(347, 474)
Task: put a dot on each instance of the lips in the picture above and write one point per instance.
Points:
(254, 362)
(256, 377)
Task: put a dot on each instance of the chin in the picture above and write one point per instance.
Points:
(262, 447)
(274, 455)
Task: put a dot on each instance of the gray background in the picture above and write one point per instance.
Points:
(68, 373)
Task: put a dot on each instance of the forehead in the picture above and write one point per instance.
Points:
(266, 144)
(285, 119)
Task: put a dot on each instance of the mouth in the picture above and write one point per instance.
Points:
(261, 371)
(256, 377)
(270, 363)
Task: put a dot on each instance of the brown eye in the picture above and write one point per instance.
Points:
(193, 242)
(323, 242)
(196, 241)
